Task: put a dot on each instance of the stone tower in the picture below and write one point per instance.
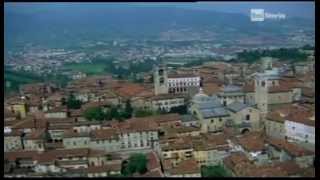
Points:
(160, 80)
(261, 93)
(267, 63)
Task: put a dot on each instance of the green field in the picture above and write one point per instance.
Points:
(17, 79)
(88, 68)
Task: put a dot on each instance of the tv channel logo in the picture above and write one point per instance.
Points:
(257, 14)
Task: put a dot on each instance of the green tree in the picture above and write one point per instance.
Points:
(128, 109)
(179, 109)
(94, 113)
(143, 113)
(73, 103)
(137, 163)
(214, 171)
(114, 113)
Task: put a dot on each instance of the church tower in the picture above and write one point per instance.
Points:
(261, 93)
(160, 80)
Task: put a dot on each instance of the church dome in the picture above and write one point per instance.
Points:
(200, 97)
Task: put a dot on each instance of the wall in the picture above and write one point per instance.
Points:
(12, 143)
(34, 145)
(300, 132)
(76, 142)
(274, 129)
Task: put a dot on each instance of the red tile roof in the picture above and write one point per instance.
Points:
(252, 142)
(130, 90)
(105, 168)
(36, 134)
(138, 124)
(189, 166)
(290, 148)
(102, 134)
(153, 161)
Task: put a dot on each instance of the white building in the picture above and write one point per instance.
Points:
(175, 83)
(300, 130)
(166, 101)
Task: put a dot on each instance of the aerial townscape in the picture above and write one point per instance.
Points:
(161, 108)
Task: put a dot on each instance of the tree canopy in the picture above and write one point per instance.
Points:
(214, 171)
(73, 103)
(179, 109)
(136, 163)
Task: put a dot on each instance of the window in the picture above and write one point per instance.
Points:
(248, 117)
(74, 143)
(293, 128)
(220, 119)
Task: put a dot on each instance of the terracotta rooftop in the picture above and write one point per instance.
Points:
(36, 134)
(102, 134)
(165, 96)
(182, 76)
(290, 148)
(302, 117)
(265, 171)
(70, 133)
(129, 90)
(189, 166)
(64, 153)
(30, 123)
(96, 153)
(252, 142)
(12, 156)
(153, 161)
(248, 87)
(275, 116)
(290, 167)
(238, 163)
(154, 173)
(105, 168)
(212, 88)
(138, 124)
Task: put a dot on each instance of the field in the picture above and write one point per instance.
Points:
(88, 68)
(16, 79)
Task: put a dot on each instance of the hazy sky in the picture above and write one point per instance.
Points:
(297, 9)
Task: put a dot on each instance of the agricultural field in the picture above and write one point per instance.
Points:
(88, 68)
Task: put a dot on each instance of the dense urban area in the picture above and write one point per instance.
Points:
(183, 105)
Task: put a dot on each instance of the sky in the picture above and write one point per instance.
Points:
(291, 9)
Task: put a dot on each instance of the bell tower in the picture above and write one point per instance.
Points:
(160, 80)
(261, 93)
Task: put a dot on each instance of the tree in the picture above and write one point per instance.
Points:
(94, 113)
(73, 103)
(137, 163)
(128, 109)
(179, 109)
(63, 101)
(115, 114)
(214, 171)
(143, 113)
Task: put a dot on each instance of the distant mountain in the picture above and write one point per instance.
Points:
(64, 27)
